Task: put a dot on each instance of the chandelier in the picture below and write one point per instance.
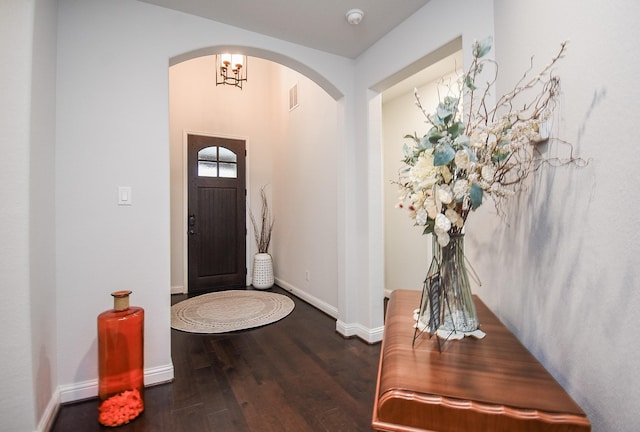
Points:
(231, 69)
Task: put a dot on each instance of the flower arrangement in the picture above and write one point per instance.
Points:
(469, 154)
(263, 233)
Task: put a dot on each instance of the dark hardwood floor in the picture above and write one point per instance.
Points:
(294, 375)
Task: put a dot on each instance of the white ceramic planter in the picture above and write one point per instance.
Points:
(262, 271)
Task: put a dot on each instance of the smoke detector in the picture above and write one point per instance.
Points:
(354, 16)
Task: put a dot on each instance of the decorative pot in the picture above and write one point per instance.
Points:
(447, 304)
(262, 271)
(120, 362)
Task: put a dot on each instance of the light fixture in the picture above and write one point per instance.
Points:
(354, 16)
(231, 69)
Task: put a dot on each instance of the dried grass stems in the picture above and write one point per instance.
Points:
(263, 232)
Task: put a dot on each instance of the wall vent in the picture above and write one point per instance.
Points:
(293, 97)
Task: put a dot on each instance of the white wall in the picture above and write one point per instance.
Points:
(18, 392)
(113, 130)
(42, 213)
(27, 260)
(305, 190)
(563, 274)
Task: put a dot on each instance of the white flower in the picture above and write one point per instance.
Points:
(488, 172)
(443, 224)
(478, 138)
(431, 207)
(421, 217)
(417, 199)
(441, 229)
(442, 237)
(462, 159)
(424, 174)
(454, 217)
(444, 194)
(460, 188)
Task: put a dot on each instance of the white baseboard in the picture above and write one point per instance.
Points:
(89, 389)
(78, 391)
(178, 289)
(48, 417)
(346, 330)
(313, 301)
(354, 329)
(158, 375)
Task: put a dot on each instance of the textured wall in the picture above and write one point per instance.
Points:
(562, 269)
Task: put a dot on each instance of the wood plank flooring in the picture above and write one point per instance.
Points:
(294, 375)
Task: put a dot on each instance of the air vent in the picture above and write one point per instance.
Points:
(293, 97)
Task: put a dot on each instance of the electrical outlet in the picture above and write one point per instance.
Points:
(306, 275)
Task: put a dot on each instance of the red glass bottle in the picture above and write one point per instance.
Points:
(120, 362)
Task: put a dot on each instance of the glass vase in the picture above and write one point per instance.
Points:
(120, 362)
(458, 310)
(447, 305)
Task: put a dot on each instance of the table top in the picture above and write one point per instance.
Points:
(495, 375)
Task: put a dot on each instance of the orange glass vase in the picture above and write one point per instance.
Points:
(120, 362)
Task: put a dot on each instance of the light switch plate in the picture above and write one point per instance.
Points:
(124, 195)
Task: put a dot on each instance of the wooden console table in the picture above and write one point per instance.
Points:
(493, 384)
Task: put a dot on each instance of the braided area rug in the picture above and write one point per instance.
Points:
(228, 311)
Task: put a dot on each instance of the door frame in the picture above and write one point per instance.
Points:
(185, 203)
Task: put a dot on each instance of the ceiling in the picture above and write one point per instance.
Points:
(319, 24)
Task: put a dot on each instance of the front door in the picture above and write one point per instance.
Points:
(216, 221)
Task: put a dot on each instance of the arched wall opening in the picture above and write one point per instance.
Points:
(273, 56)
(291, 151)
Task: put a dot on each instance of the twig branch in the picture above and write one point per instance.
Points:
(263, 233)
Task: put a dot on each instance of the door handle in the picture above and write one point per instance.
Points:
(192, 232)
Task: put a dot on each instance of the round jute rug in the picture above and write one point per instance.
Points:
(227, 311)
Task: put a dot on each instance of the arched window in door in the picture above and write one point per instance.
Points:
(217, 161)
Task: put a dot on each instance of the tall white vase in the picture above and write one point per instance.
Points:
(262, 271)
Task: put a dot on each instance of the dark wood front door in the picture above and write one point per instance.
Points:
(216, 221)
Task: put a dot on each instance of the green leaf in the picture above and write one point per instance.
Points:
(469, 83)
(443, 154)
(476, 195)
(425, 143)
(434, 136)
(499, 157)
(435, 119)
(429, 227)
(451, 102)
(472, 155)
(414, 137)
(443, 111)
(406, 151)
(455, 129)
(480, 49)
